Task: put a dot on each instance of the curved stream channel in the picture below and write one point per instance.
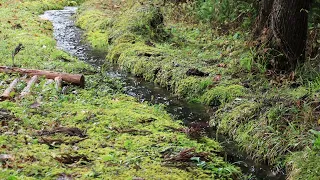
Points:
(69, 39)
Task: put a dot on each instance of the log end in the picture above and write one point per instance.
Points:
(82, 81)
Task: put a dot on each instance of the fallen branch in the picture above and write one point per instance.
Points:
(77, 79)
(27, 90)
(73, 131)
(6, 93)
(186, 155)
(133, 131)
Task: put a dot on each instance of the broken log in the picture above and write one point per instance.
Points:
(6, 93)
(77, 79)
(27, 90)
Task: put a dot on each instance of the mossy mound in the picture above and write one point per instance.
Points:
(268, 128)
(304, 165)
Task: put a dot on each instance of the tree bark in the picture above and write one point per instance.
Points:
(289, 25)
(282, 25)
(77, 79)
(263, 20)
(27, 89)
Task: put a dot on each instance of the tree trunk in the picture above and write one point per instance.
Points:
(282, 26)
(289, 25)
(263, 19)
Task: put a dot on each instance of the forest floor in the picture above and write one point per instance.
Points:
(273, 116)
(94, 132)
(98, 132)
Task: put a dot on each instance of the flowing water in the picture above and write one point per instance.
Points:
(69, 39)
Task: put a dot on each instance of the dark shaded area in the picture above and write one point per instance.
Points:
(196, 72)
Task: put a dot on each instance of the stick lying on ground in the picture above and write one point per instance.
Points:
(26, 90)
(6, 93)
(77, 79)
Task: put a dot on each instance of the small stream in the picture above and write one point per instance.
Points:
(69, 39)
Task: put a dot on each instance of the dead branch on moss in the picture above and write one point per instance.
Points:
(64, 130)
(192, 132)
(52, 142)
(148, 120)
(133, 131)
(186, 155)
(27, 89)
(69, 159)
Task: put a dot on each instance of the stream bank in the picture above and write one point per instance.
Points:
(193, 115)
(91, 133)
(271, 116)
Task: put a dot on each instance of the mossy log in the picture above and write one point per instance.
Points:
(77, 79)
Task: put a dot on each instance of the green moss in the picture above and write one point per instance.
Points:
(98, 39)
(240, 114)
(220, 95)
(106, 147)
(192, 86)
(145, 21)
(119, 143)
(85, 20)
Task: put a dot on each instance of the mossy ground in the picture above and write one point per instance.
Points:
(95, 132)
(269, 114)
